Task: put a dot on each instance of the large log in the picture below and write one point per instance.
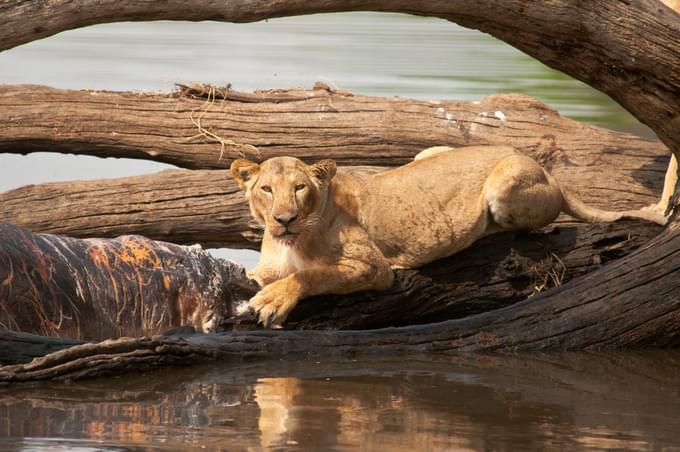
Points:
(628, 50)
(309, 124)
(628, 304)
(97, 289)
(179, 206)
(207, 207)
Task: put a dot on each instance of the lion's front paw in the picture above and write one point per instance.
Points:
(256, 277)
(273, 304)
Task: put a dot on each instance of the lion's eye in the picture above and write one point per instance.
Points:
(300, 187)
(266, 189)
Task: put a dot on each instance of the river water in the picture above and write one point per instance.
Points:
(580, 401)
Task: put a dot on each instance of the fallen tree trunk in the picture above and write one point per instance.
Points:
(207, 207)
(609, 45)
(179, 206)
(629, 303)
(132, 286)
(309, 124)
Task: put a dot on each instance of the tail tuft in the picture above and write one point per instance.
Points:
(577, 209)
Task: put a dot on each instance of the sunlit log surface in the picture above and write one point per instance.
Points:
(307, 123)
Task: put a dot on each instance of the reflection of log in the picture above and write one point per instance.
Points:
(630, 303)
(460, 390)
(95, 289)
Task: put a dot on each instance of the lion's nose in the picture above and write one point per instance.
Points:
(285, 220)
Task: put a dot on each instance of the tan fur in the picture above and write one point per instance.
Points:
(673, 4)
(351, 229)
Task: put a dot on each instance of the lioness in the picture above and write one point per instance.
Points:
(340, 233)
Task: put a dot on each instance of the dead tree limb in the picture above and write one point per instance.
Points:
(609, 45)
(178, 206)
(97, 289)
(207, 207)
(309, 124)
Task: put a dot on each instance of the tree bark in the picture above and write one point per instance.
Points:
(606, 169)
(627, 304)
(179, 206)
(132, 286)
(612, 46)
(309, 124)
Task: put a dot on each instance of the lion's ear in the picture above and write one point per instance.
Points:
(324, 171)
(244, 171)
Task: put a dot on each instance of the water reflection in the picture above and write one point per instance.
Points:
(531, 402)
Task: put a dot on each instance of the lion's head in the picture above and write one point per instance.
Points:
(285, 194)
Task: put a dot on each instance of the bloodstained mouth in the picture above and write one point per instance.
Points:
(288, 238)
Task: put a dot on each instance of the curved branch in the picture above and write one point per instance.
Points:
(629, 50)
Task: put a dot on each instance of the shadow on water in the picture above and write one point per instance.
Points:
(470, 402)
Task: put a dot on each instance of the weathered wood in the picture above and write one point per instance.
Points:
(609, 45)
(179, 206)
(496, 272)
(605, 168)
(20, 347)
(97, 289)
(309, 124)
(629, 303)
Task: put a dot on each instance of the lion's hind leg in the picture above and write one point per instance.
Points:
(521, 195)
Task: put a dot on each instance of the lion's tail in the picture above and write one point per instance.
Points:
(577, 209)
